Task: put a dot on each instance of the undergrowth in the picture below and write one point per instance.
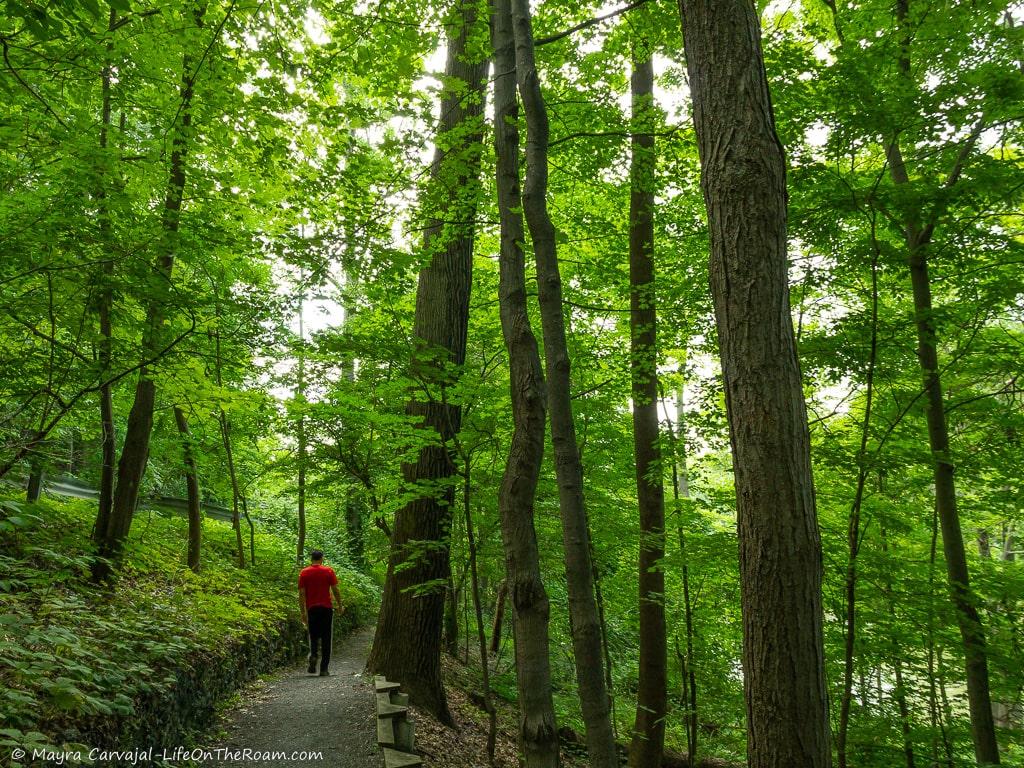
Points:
(72, 651)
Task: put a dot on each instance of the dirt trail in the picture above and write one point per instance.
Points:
(297, 712)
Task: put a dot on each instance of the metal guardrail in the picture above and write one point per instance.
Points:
(63, 485)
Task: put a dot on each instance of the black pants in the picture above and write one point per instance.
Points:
(320, 622)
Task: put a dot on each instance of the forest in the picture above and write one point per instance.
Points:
(656, 363)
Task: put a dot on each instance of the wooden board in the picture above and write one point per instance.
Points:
(395, 759)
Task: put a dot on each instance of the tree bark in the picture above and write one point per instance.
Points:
(135, 451)
(538, 730)
(538, 727)
(648, 741)
(195, 520)
(406, 646)
(584, 619)
(744, 182)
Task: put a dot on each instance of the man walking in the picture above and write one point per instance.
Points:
(316, 584)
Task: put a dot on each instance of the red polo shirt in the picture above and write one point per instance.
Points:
(317, 580)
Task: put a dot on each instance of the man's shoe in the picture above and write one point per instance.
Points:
(324, 673)
(312, 665)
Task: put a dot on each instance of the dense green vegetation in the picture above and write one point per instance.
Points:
(148, 659)
(226, 208)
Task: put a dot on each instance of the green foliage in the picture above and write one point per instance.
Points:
(74, 654)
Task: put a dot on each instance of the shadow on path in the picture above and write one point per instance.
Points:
(297, 712)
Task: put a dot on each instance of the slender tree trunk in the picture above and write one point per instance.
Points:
(135, 451)
(648, 741)
(854, 529)
(195, 520)
(252, 530)
(972, 631)
(451, 620)
(584, 620)
(229, 456)
(485, 670)
(900, 692)
(499, 618)
(538, 732)
(300, 397)
(236, 495)
(407, 644)
(354, 506)
(918, 234)
(108, 436)
(743, 175)
(680, 494)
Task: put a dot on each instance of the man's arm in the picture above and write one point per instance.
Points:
(302, 605)
(337, 597)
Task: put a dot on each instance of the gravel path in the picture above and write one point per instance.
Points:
(298, 712)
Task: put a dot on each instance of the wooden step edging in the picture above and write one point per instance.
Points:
(396, 734)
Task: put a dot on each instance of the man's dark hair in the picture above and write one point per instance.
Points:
(316, 554)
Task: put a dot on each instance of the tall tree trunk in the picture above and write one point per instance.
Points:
(229, 456)
(300, 397)
(195, 520)
(854, 528)
(681, 494)
(900, 691)
(354, 506)
(972, 632)
(108, 436)
(584, 619)
(648, 741)
(236, 495)
(406, 646)
(918, 231)
(538, 733)
(485, 670)
(135, 451)
(743, 175)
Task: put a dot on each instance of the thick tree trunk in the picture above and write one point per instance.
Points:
(406, 646)
(584, 620)
(195, 519)
(135, 451)
(538, 731)
(744, 181)
(648, 741)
